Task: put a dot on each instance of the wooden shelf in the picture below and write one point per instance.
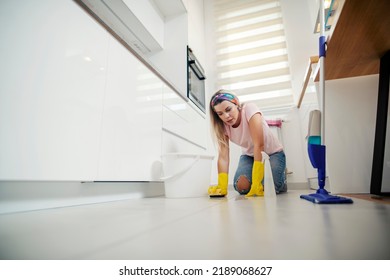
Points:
(360, 38)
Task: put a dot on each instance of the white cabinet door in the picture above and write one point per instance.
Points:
(51, 92)
(181, 119)
(132, 120)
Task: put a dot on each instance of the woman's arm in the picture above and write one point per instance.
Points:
(256, 131)
(223, 158)
(223, 167)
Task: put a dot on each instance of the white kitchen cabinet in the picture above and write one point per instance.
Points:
(132, 119)
(76, 105)
(182, 119)
(54, 63)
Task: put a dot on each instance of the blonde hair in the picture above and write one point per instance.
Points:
(216, 122)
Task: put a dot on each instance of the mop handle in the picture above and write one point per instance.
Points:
(322, 53)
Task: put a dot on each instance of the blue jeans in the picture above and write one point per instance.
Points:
(278, 167)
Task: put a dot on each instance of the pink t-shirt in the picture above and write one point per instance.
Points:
(241, 135)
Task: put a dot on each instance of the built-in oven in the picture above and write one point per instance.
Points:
(195, 81)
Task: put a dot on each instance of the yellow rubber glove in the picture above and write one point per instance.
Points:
(221, 189)
(257, 176)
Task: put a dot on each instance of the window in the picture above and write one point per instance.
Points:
(251, 51)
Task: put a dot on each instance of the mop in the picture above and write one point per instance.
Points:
(316, 145)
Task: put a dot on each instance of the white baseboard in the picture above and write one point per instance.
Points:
(21, 196)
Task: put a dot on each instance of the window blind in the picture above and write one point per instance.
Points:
(251, 52)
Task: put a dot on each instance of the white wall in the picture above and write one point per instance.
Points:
(294, 147)
(301, 41)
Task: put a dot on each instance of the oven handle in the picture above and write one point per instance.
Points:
(197, 70)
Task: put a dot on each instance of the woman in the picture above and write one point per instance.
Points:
(245, 126)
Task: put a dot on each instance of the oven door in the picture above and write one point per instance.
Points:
(196, 81)
(196, 90)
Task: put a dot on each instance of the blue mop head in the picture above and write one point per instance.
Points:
(321, 198)
(317, 158)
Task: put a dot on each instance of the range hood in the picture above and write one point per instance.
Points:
(117, 16)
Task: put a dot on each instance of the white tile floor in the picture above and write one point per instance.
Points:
(200, 228)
